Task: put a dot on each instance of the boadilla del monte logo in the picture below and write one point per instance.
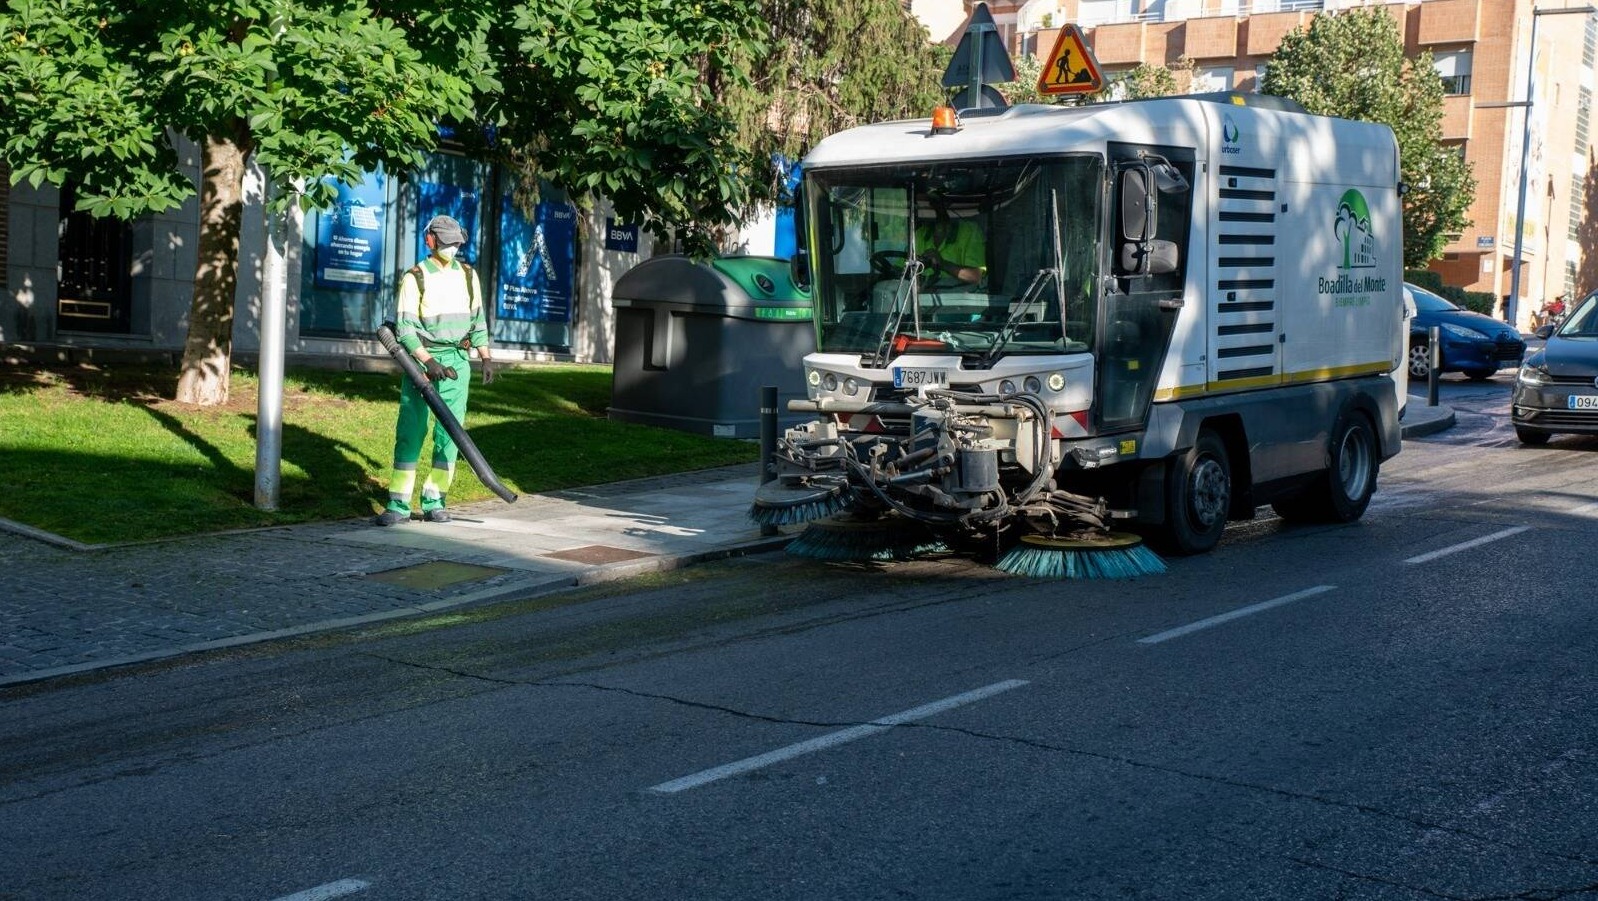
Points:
(1353, 229)
(1352, 226)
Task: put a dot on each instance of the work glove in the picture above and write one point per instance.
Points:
(437, 372)
(488, 372)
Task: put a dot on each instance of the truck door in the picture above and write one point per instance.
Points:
(1151, 204)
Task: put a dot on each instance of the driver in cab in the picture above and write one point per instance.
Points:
(953, 247)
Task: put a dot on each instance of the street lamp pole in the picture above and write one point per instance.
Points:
(1525, 153)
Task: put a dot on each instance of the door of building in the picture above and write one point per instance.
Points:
(93, 279)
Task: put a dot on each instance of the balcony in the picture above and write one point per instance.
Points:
(1118, 45)
(1456, 117)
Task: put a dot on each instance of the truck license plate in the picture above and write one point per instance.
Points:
(920, 378)
(1582, 402)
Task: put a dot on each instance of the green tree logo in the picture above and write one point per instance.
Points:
(1353, 229)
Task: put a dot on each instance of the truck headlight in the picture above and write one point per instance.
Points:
(813, 378)
(1056, 382)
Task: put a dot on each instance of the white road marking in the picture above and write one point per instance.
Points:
(331, 890)
(1190, 628)
(1585, 510)
(831, 739)
(1467, 545)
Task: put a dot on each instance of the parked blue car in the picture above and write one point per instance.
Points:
(1472, 343)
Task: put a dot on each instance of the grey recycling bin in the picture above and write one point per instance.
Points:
(695, 341)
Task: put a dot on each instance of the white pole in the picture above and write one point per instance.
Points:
(1520, 202)
(1525, 154)
(269, 406)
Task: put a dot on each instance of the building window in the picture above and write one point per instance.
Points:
(1208, 79)
(1570, 283)
(1583, 120)
(1578, 188)
(1454, 68)
(1589, 43)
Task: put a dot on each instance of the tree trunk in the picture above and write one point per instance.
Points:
(208, 352)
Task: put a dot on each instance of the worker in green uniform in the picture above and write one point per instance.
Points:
(953, 247)
(439, 317)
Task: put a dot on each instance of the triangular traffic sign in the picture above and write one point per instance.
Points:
(1071, 67)
(996, 67)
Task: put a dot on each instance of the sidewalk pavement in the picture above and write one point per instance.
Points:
(68, 608)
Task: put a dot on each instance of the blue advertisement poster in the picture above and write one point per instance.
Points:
(536, 262)
(434, 199)
(349, 237)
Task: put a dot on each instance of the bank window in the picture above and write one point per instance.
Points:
(1454, 68)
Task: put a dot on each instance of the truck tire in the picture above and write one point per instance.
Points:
(1198, 497)
(1343, 491)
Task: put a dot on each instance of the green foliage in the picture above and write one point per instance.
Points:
(618, 97)
(89, 91)
(1143, 81)
(1351, 64)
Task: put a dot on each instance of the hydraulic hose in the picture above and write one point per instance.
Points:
(474, 457)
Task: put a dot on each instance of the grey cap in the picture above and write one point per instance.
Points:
(446, 230)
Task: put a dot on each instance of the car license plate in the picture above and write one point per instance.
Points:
(920, 378)
(1582, 402)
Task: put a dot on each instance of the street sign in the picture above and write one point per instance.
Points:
(1070, 68)
(982, 51)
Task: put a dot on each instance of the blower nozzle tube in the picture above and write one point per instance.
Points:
(474, 457)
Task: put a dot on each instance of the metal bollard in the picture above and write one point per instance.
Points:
(768, 442)
(1434, 360)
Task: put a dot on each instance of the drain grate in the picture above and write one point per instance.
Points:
(436, 574)
(598, 553)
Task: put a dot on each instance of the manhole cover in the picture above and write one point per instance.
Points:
(435, 575)
(598, 553)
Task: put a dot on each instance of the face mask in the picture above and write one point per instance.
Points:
(447, 252)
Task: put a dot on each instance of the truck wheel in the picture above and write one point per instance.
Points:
(1198, 497)
(1343, 491)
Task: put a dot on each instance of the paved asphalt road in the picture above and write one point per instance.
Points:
(1402, 708)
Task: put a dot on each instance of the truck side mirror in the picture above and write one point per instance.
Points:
(1137, 205)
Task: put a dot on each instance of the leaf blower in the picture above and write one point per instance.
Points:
(474, 457)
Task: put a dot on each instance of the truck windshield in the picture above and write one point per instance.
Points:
(1002, 257)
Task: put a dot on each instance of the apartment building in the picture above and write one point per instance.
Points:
(1482, 49)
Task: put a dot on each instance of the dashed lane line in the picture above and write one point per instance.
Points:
(332, 890)
(832, 739)
(1227, 617)
(1467, 545)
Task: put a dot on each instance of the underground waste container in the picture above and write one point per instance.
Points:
(695, 341)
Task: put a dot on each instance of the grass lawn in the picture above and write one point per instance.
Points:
(101, 454)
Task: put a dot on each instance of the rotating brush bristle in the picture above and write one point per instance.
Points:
(777, 504)
(845, 540)
(1113, 555)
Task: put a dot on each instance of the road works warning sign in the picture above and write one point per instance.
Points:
(1070, 68)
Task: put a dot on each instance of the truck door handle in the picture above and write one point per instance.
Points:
(1172, 303)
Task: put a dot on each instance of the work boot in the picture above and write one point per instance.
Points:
(439, 515)
(390, 518)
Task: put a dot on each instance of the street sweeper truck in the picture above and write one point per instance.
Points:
(1047, 333)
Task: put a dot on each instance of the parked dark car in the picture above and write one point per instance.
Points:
(1557, 387)
(1474, 344)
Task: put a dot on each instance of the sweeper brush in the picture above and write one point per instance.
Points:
(785, 504)
(1109, 555)
(864, 540)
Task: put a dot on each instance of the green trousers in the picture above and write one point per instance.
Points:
(410, 431)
